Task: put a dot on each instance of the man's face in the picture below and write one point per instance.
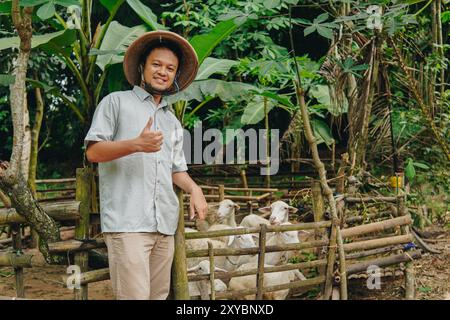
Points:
(160, 68)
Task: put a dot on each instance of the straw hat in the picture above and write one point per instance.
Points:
(188, 66)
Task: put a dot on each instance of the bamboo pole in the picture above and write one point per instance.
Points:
(237, 231)
(350, 199)
(83, 194)
(92, 276)
(342, 265)
(55, 181)
(319, 215)
(376, 226)
(291, 285)
(75, 245)
(180, 284)
(383, 262)
(377, 243)
(409, 270)
(11, 259)
(261, 259)
(221, 192)
(18, 270)
(363, 254)
(255, 250)
(212, 268)
(68, 210)
(247, 272)
(330, 261)
(245, 189)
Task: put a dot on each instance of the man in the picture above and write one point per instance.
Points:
(138, 144)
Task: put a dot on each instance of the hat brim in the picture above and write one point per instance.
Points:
(188, 64)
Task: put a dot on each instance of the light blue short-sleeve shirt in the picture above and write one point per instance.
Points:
(136, 191)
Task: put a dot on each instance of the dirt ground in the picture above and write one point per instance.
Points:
(432, 280)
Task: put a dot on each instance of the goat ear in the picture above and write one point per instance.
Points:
(230, 240)
(220, 269)
(193, 269)
(265, 209)
(292, 209)
(237, 206)
(304, 232)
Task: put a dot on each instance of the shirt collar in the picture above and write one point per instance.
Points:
(144, 95)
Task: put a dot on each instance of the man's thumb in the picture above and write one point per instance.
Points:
(148, 126)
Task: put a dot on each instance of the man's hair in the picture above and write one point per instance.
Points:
(166, 45)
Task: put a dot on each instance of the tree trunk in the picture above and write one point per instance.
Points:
(13, 178)
(359, 135)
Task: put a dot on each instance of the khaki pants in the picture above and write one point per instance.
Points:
(140, 264)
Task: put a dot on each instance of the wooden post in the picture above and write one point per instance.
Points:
(409, 271)
(331, 260)
(180, 284)
(318, 207)
(319, 215)
(18, 271)
(83, 194)
(211, 270)
(342, 266)
(261, 258)
(221, 192)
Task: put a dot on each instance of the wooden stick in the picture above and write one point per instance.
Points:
(362, 254)
(261, 259)
(54, 181)
(11, 259)
(291, 285)
(236, 231)
(91, 276)
(376, 226)
(83, 194)
(255, 250)
(342, 267)
(357, 219)
(352, 199)
(221, 192)
(18, 270)
(212, 270)
(67, 210)
(383, 262)
(180, 285)
(240, 273)
(75, 245)
(330, 261)
(377, 243)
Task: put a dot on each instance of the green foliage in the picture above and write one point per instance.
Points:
(146, 14)
(117, 39)
(325, 29)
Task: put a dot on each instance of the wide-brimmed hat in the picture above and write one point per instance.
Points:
(188, 66)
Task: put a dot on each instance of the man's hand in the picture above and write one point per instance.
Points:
(149, 141)
(198, 204)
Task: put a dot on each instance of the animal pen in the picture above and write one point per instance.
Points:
(343, 247)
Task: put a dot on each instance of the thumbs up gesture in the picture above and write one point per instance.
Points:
(148, 140)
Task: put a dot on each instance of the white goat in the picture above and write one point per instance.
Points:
(240, 241)
(279, 212)
(253, 220)
(202, 288)
(225, 218)
(270, 279)
(197, 244)
(280, 239)
(224, 214)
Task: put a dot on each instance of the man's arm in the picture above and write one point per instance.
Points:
(198, 202)
(103, 151)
